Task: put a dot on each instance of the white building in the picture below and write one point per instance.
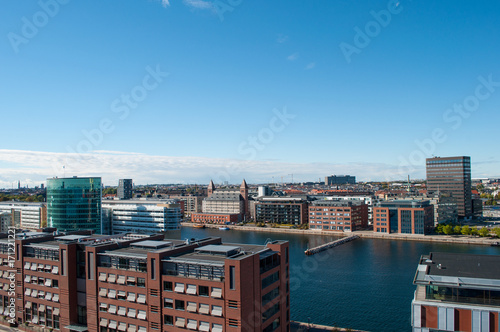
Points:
(138, 216)
(25, 214)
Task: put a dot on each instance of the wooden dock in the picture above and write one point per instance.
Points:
(329, 245)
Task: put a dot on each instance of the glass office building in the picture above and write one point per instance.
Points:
(74, 203)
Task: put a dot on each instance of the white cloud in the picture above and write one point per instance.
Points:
(34, 167)
(198, 4)
(293, 57)
(165, 3)
(281, 38)
(311, 66)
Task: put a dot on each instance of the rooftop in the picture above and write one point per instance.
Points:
(459, 270)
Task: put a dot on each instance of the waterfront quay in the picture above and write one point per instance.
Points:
(458, 239)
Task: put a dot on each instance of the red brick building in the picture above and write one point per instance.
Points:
(215, 218)
(338, 216)
(82, 282)
(403, 216)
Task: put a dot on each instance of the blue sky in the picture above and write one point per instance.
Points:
(266, 85)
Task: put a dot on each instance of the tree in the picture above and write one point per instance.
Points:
(484, 232)
(496, 231)
(474, 230)
(457, 229)
(448, 229)
(439, 229)
(466, 230)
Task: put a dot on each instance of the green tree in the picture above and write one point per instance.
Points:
(457, 229)
(448, 229)
(466, 230)
(484, 232)
(474, 231)
(439, 229)
(496, 231)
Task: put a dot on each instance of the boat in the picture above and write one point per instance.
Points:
(199, 226)
(496, 244)
(224, 228)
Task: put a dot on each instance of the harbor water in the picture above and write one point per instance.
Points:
(364, 284)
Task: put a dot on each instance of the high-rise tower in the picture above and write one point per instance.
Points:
(451, 175)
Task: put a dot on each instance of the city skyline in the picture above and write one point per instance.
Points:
(175, 91)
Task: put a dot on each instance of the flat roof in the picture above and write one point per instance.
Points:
(462, 265)
(217, 248)
(72, 237)
(152, 244)
(459, 270)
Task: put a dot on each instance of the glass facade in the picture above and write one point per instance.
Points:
(74, 203)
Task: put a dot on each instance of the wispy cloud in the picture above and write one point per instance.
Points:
(198, 4)
(293, 57)
(281, 39)
(165, 3)
(34, 167)
(311, 66)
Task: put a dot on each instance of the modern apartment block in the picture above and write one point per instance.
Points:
(26, 215)
(368, 199)
(339, 179)
(142, 216)
(281, 210)
(404, 217)
(74, 203)
(338, 216)
(124, 190)
(456, 292)
(451, 175)
(130, 282)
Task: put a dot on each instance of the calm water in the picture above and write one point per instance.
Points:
(365, 284)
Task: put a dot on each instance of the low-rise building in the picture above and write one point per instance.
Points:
(403, 216)
(456, 292)
(338, 216)
(215, 218)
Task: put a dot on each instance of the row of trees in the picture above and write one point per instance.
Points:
(23, 198)
(450, 229)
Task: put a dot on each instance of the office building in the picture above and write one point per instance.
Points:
(281, 210)
(124, 190)
(142, 216)
(339, 179)
(404, 217)
(456, 292)
(82, 282)
(451, 175)
(338, 216)
(26, 215)
(74, 203)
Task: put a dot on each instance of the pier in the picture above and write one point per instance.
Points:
(329, 245)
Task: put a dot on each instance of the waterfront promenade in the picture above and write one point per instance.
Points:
(459, 239)
(309, 327)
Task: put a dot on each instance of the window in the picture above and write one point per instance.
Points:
(168, 303)
(168, 320)
(141, 282)
(179, 287)
(167, 286)
(216, 310)
(216, 292)
(191, 289)
(179, 305)
(232, 277)
(203, 290)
